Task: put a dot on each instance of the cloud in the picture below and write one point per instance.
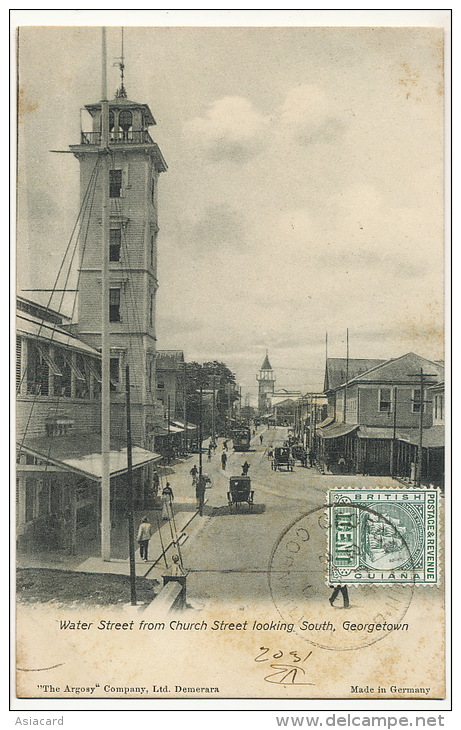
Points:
(231, 129)
(207, 234)
(307, 116)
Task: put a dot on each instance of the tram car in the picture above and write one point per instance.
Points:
(241, 438)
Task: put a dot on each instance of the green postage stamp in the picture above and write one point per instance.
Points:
(383, 536)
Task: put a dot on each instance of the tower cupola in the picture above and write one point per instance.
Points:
(266, 380)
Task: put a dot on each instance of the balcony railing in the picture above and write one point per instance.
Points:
(132, 137)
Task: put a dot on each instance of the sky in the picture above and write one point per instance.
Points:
(304, 191)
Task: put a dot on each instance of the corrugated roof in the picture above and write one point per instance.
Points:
(336, 430)
(169, 359)
(48, 332)
(433, 437)
(82, 455)
(338, 369)
(401, 369)
(190, 426)
(327, 422)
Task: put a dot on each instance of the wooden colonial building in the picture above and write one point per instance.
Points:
(378, 416)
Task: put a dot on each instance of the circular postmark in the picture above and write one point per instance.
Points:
(298, 579)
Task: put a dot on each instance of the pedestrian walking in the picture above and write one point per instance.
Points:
(345, 594)
(144, 535)
(200, 493)
(270, 453)
(261, 439)
(311, 458)
(167, 502)
(223, 460)
(224, 445)
(245, 468)
(155, 482)
(194, 473)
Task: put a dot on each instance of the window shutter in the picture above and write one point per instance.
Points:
(18, 363)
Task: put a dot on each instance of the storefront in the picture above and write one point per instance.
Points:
(58, 489)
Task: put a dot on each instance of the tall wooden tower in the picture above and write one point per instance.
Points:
(135, 163)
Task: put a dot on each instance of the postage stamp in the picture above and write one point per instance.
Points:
(383, 536)
(299, 591)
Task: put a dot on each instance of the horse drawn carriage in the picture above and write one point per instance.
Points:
(240, 491)
(283, 459)
(299, 454)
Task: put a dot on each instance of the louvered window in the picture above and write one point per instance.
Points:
(18, 363)
(38, 363)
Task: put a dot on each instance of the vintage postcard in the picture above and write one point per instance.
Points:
(230, 361)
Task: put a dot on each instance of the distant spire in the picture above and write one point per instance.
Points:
(266, 364)
(121, 92)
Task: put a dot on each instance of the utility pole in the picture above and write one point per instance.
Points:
(200, 433)
(347, 376)
(129, 480)
(394, 433)
(184, 408)
(419, 464)
(168, 429)
(213, 412)
(105, 338)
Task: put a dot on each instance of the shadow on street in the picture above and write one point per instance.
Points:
(225, 510)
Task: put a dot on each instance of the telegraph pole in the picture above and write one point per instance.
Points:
(168, 414)
(394, 433)
(129, 479)
(347, 375)
(200, 434)
(213, 412)
(421, 375)
(184, 408)
(105, 339)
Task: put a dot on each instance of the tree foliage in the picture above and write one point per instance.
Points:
(217, 382)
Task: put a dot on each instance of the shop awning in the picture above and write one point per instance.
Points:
(190, 426)
(433, 437)
(327, 422)
(82, 454)
(46, 333)
(376, 432)
(336, 430)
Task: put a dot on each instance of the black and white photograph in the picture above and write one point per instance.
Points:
(231, 358)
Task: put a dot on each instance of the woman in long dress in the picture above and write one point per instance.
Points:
(167, 502)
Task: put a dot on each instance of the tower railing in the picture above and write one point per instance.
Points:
(141, 136)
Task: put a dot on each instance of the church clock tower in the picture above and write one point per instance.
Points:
(135, 163)
(266, 380)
